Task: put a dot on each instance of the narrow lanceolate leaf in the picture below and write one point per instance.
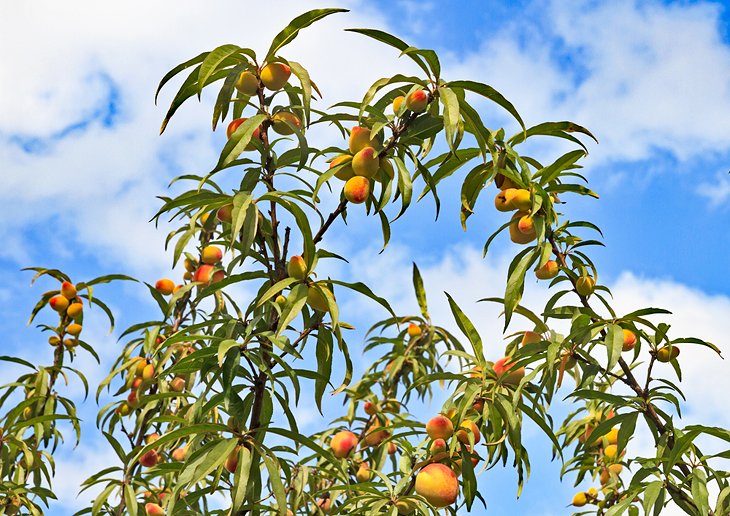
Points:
(614, 342)
(213, 60)
(516, 283)
(490, 93)
(238, 215)
(293, 307)
(277, 486)
(324, 366)
(391, 40)
(238, 141)
(451, 114)
(204, 463)
(179, 68)
(467, 328)
(291, 31)
(420, 291)
(306, 83)
(240, 479)
(564, 162)
(558, 129)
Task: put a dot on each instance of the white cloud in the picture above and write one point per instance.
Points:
(717, 192)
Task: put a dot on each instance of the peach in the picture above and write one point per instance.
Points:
(438, 446)
(232, 129)
(224, 214)
(503, 182)
(363, 472)
(526, 225)
(149, 459)
(152, 509)
(149, 439)
(366, 162)
(585, 285)
(629, 340)
(205, 275)
(316, 300)
(190, 265)
(148, 373)
(392, 448)
(548, 271)
(665, 354)
(324, 504)
(247, 83)
(54, 340)
(132, 399)
(417, 101)
(580, 499)
(502, 369)
(177, 384)
(136, 382)
(385, 169)
(74, 310)
(375, 434)
(165, 286)
(531, 337)
(211, 255)
(139, 365)
(275, 75)
(397, 103)
(438, 484)
(501, 203)
(465, 428)
(345, 172)
(612, 436)
(357, 189)
(279, 123)
(439, 427)
(406, 506)
(124, 409)
(231, 463)
(360, 138)
(73, 329)
(610, 451)
(297, 267)
(58, 303)
(371, 408)
(342, 443)
(68, 290)
(280, 300)
(414, 330)
(70, 343)
(518, 198)
(517, 235)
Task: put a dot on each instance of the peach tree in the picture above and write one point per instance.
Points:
(202, 418)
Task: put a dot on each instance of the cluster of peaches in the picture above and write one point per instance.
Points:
(513, 198)
(205, 273)
(317, 292)
(70, 310)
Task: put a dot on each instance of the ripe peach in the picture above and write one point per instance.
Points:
(610, 451)
(438, 446)
(366, 162)
(360, 138)
(324, 504)
(501, 203)
(585, 286)
(465, 428)
(138, 366)
(502, 369)
(148, 373)
(526, 225)
(371, 408)
(150, 438)
(518, 198)
(165, 286)
(224, 214)
(345, 172)
(316, 300)
(438, 484)
(612, 436)
(177, 384)
(414, 330)
(231, 463)
(232, 129)
(439, 427)
(397, 103)
(417, 101)
(665, 354)
(190, 265)
(70, 343)
(342, 443)
(363, 472)
(275, 75)
(136, 382)
(279, 123)
(357, 189)
(205, 274)
(247, 83)
(530, 337)
(375, 434)
(211, 255)
(73, 329)
(74, 310)
(297, 267)
(548, 271)
(152, 509)
(392, 448)
(580, 499)
(68, 290)
(58, 303)
(629, 340)
(516, 234)
(54, 340)
(149, 459)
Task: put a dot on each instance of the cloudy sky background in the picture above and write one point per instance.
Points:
(82, 163)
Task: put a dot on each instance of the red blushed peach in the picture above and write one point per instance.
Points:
(397, 103)
(438, 446)
(516, 234)
(211, 255)
(68, 290)
(275, 75)
(152, 509)
(165, 286)
(439, 427)
(357, 189)
(235, 124)
(548, 271)
(360, 138)
(366, 162)
(224, 214)
(503, 369)
(414, 330)
(342, 443)
(177, 384)
(417, 101)
(231, 463)
(149, 459)
(297, 267)
(58, 303)
(629, 340)
(392, 448)
(370, 408)
(375, 434)
(438, 484)
(204, 274)
(465, 428)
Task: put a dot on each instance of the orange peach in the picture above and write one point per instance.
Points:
(465, 428)
(438, 446)
(68, 290)
(149, 459)
(275, 75)
(73, 329)
(247, 83)
(357, 189)
(345, 172)
(58, 303)
(438, 484)
(502, 369)
(224, 214)
(531, 337)
(297, 267)
(518, 198)
(580, 499)
(232, 129)
(366, 162)
(501, 203)
(548, 271)
(74, 310)
(417, 101)
(165, 286)
(516, 234)
(371, 408)
(316, 300)
(211, 255)
(392, 448)
(204, 274)
(177, 384)
(397, 103)
(342, 443)
(629, 340)
(360, 138)
(280, 125)
(375, 434)
(439, 427)
(153, 509)
(148, 373)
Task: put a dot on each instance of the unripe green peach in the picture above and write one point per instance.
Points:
(74, 310)
(68, 290)
(666, 354)
(58, 303)
(360, 138)
(275, 75)
(316, 300)
(585, 285)
(225, 213)
(357, 189)
(397, 103)
(629, 340)
(247, 83)
(518, 236)
(417, 101)
(439, 427)
(165, 286)
(342, 443)
(211, 255)
(297, 268)
(414, 330)
(124, 409)
(279, 122)
(345, 172)
(438, 484)
(73, 329)
(366, 162)
(548, 271)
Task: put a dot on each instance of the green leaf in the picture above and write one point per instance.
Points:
(293, 307)
(363, 289)
(179, 68)
(614, 342)
(516, 282)
(239, 140)
(394, 42)
(490, 93)
(291, 31)
(420, 291)
(324, 366)
(240, 479)
(212, 61)
(467, 328)
(451, 114)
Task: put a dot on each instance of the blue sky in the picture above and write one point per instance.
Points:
(82, 164)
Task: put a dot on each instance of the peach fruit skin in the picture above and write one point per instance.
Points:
(438, 484)
(343, 442)
(357, 189)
